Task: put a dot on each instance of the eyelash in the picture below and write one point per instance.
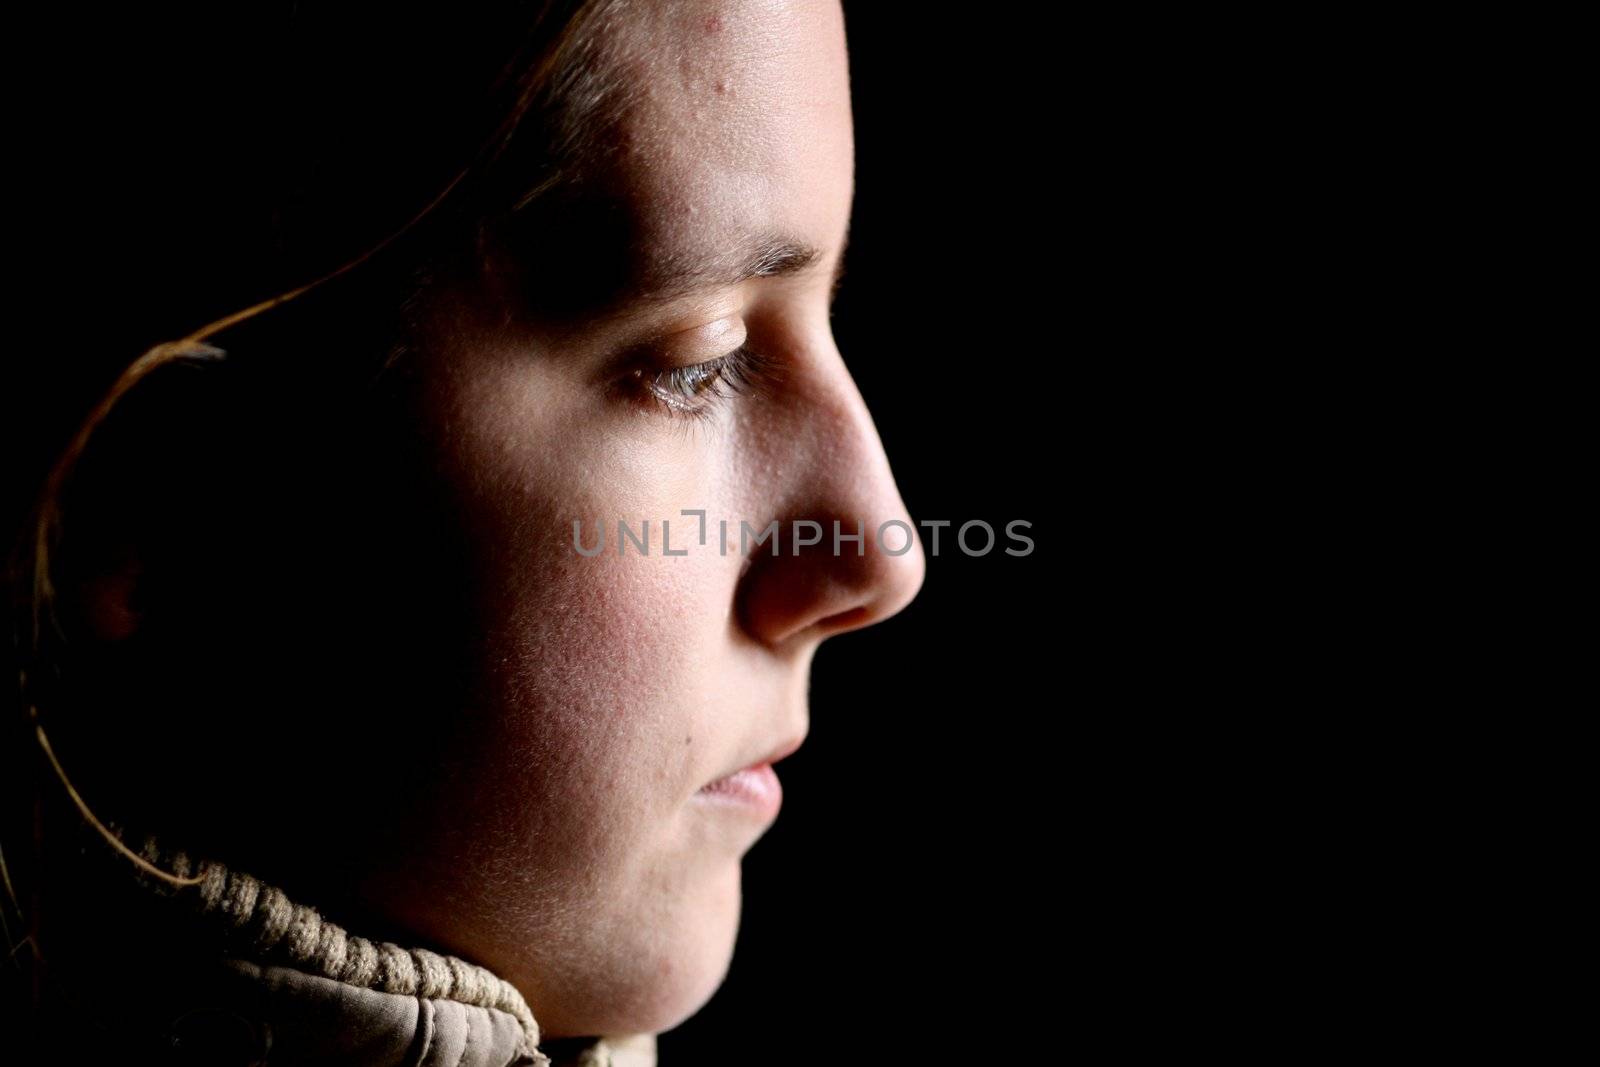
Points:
(697, 391)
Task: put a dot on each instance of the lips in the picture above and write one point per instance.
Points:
(781, 751)
(755, 787)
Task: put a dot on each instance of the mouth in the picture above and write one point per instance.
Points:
(755, 787)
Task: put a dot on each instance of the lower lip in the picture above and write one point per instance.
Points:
(756, 788)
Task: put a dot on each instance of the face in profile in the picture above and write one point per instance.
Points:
(574, 845)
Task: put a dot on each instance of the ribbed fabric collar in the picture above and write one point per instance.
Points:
(327, 992)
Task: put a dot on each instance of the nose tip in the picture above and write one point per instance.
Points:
(877, 582)
(832, 576)
(888, 576)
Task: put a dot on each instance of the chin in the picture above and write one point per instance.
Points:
(661, 970)
(691, 971)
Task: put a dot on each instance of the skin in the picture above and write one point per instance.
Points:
(551, 825)
(597, 876)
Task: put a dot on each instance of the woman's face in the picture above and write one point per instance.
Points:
(586, 859)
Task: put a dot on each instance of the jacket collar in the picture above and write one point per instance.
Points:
(247, 976)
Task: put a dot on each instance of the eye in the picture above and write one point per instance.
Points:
(697, 391)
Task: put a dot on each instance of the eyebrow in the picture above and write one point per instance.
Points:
(768, 255)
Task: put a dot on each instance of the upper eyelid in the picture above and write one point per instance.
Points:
(702, 344)
(742, 371)
(647, 352)
(720, 367)
(670, 351)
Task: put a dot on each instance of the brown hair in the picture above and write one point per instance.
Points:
(334, 172)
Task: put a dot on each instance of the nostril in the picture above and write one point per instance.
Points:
(845, 620)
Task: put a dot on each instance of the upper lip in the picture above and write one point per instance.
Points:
(782, 750)
(787, 748)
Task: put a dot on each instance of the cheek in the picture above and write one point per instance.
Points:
(594, 670)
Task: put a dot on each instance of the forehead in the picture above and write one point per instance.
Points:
(737, 123)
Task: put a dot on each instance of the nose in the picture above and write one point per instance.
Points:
(847, 554)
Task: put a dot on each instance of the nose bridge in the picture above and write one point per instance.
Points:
(849, 555)
(856, 479)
